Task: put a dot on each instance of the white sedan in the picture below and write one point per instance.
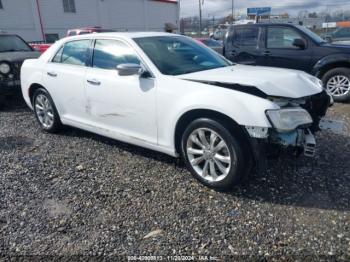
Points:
(168, 93)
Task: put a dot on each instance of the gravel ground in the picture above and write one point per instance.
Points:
(76, 193)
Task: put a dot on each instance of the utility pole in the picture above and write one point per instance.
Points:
(233, 11)
(200, 17)
(213, 24)
(213, 21)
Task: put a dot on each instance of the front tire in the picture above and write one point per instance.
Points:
(213, 154)
(45, 111)
(337, 82)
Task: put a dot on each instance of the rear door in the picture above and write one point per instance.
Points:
(280, 51)
(245, 48)
(65, 78)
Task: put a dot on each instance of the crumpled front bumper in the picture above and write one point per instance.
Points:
(303, 140)
(268, 142)
(9, 84)
(9, 87)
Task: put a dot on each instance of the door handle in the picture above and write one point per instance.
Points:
(267, 53)
(94, 82)
(52, 74)
(233, 53)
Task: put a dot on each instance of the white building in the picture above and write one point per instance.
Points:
(36, 19)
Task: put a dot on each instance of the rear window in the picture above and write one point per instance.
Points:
(246, 36)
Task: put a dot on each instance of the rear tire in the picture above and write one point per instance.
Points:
(213, 154)
(337, 82)
(45, 111)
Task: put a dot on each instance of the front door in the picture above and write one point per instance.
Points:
(280, 51)
(122, 104)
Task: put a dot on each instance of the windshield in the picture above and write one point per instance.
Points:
(177, 55)
(12, 43)
(311, 34)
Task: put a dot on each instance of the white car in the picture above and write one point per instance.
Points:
(168, 93)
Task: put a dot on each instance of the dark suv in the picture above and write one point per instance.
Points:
(13, 51)
(290, 46)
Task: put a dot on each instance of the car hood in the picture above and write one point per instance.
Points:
(341, 46)
(18, 56)
(271, 81)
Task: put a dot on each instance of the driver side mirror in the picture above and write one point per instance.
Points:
(130, 69)
(300, 43)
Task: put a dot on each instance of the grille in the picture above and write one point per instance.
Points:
(317, 106)
(15, 71)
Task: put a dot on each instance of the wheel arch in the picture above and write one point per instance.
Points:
(33, 87)
(331, 62)
(331, 66)
(193, 114)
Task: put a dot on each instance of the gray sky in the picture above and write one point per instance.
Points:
(223, 7)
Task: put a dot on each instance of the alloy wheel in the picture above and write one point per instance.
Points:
(338, 85)
(209, 155)
(44, 111)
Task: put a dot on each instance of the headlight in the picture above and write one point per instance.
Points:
(286, 120)
(5, 68)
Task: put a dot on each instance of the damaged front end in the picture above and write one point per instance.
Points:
(302, 137)
(294, 125)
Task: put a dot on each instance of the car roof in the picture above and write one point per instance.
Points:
(267, 24)
(85, 28)
(124, 35)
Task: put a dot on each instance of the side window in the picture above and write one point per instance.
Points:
(73, 53)
(108, 54)
(58, 57)
(282, 37)
(246, 36)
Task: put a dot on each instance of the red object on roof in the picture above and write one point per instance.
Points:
(40, 47)
(88, 30)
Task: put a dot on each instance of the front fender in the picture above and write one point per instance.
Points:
(330, 59)
(244, 109)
